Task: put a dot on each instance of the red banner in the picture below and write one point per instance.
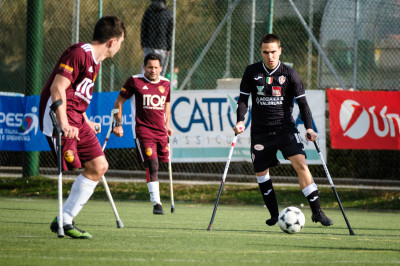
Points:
(364, 120)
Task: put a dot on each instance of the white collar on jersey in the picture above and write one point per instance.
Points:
(154, 82)
(266, 69)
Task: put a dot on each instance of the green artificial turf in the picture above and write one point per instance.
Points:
(239, 236)
(41, 187)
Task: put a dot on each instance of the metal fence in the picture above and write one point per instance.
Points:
(216, 40)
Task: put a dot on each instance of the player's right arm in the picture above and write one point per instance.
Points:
(241, 111)
(119, 104)
(242, 104)
(127, 91)
(57, 89)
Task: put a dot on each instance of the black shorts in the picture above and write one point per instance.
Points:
(264, 149)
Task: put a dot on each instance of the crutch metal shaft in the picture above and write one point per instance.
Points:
(53, 108)
(103, 179)
(171, 187)
(222, 181)
(332, 185)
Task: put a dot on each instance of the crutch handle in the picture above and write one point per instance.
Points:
(315, 143)
(53, 108)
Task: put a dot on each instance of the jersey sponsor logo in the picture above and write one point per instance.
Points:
(161, 89)
(276, 91)
(148, 151)
(258, 77)
(66, 68)
(281, 79)
(84, 90)
(258, 147)
(269, 100)
(269, 80)
(260, 90)
(153, 101)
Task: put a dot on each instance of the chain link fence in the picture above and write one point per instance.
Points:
(362, 43)
(216, 40)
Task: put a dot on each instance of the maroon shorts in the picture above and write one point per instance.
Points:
(150, 148)
(85, 150)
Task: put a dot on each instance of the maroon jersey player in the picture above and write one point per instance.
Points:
(72, 82)
(149, 94)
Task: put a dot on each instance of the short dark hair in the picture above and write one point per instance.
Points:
(269, 38)
(152, 56)
(108, 27)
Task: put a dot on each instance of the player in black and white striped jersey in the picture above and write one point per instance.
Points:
(274, 86)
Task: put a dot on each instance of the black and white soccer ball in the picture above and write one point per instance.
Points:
(291, 220)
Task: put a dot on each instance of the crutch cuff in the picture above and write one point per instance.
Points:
(54, 106)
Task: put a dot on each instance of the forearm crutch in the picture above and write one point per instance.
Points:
(170, 179)
(222, 182)
(59, 134)
(332, 185)
(103, 179)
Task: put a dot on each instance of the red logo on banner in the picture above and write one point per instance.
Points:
(364, 119)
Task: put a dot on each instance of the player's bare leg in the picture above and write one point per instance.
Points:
(309, 189)
(95, 168)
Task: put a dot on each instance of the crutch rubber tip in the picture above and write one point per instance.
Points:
(352, 233)
(172, 209)
(209, 227)
(120, 224)
(60, 232)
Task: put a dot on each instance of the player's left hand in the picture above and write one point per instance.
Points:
(170, 131)
(311, 135)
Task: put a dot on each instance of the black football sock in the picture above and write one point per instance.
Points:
(268, 194)
(313, 200)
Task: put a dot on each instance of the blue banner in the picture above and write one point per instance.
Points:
(19, 122)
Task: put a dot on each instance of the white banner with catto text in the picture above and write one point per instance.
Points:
(203, 122)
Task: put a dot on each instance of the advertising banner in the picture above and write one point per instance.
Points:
(203, 122)
(19, 122)
(365, 120)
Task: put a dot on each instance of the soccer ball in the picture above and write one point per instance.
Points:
(291, 220)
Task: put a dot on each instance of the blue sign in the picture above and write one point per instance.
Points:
(19, 122)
